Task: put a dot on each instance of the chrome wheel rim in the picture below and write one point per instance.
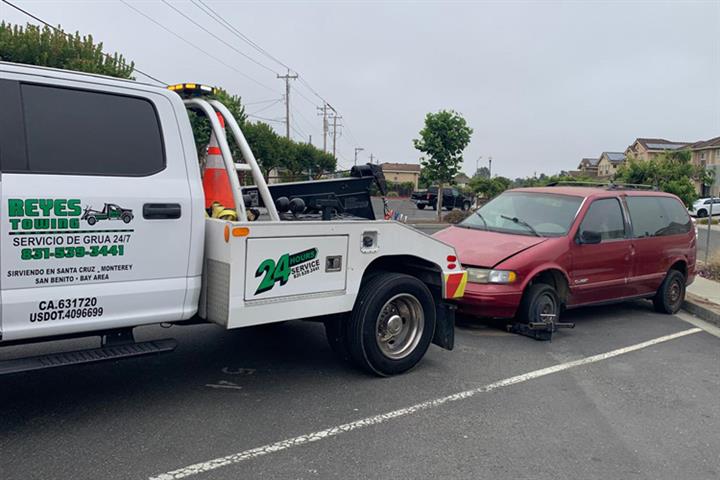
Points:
(400, 326)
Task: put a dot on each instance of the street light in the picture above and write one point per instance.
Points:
(357, 149)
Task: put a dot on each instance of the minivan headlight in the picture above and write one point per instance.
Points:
(486, 275)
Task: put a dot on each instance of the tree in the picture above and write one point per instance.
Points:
(483, 172)
(671, 171)
(443, 140)
(489, 187)
(53, 48)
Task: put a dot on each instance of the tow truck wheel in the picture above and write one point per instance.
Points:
(392, 324)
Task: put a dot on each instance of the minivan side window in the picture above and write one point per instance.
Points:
(657, 216)
(606, 218)
(79, 132)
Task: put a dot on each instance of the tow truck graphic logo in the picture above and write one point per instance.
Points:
(298, 265)
(110, 211)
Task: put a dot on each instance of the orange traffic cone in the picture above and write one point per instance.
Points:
(216, 183)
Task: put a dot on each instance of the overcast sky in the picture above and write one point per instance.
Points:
(542, 84)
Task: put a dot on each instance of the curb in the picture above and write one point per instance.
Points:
(703, 309)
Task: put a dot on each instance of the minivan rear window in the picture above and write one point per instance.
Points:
(79, 132)
(657, 216)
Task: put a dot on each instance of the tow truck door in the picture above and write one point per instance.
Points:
(77, 147)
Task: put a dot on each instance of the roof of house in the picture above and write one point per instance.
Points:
(400, 167)
(659, 144)
(712, 143)
(591, 162)
(461, 178)
(614, 157)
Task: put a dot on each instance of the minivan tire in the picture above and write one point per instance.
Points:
(538, 299)
(671, 294)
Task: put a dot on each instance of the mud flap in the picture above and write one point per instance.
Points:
(444, 326)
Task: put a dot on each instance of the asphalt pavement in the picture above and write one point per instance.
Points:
(219, 405)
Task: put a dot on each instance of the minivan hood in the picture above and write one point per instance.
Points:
(485, 249)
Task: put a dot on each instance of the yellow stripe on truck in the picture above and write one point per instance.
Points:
(455, 284)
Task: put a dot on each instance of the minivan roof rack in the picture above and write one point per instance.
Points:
(607, 185)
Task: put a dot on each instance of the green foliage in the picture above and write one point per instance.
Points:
(424, 181)
(51, 48)
(400, 189)
(671, 172)
(489, 187)
(442, 140)
(483, 172)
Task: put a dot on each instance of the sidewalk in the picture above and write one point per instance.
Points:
(703, 300)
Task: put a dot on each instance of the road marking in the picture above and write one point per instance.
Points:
(384, 417)
(693, 320)
(224, 384)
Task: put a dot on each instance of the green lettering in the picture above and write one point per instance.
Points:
(14, 223)
(31, 206)
(15, 208)
(46, 205)
(73, 207)
(60, 210)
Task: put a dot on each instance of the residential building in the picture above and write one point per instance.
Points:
(461, 180)
(588, 166)
(706, 153)
(401, 172)
(608, 163)
(649, 148)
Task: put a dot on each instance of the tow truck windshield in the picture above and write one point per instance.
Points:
(526, 213)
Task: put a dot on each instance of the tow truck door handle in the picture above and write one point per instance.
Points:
(161, 211)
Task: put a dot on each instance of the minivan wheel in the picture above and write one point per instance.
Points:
(540, 303)
(671, 294)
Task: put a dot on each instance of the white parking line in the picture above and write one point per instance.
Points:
(384, 417)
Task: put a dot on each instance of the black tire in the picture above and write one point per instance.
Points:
(126, 217)
(91, 220)
(465, 206)
(538, 300)
(702, 213)
(449, 208)
(378, 298)
(421, 206)
(671, 294)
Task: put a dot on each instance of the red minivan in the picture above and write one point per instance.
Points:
(532, 252)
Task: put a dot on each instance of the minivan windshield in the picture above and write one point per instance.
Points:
(526, 213)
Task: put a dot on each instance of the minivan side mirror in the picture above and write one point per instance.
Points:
(589, 237)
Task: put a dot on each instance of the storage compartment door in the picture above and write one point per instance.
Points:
(295, 266)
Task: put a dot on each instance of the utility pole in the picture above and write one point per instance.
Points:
(371, 157)
(477, 165)
(324, 113)
(357, 149)
(490, 165)
(287, 77)
(335, 119)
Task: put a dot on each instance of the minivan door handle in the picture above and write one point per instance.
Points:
(161, 211)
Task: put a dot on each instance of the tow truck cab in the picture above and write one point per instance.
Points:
(77, 150)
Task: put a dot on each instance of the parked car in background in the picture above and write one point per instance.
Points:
(532, 252)
(452, 198)
(701, 207)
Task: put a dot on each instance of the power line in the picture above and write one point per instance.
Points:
(262, 101)
(207, 9)
(70, 35)
(266, 107)
(194, 46)
(189, 19)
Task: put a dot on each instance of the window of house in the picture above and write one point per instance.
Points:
(80, 132)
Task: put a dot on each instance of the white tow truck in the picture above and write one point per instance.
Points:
(104, 228)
